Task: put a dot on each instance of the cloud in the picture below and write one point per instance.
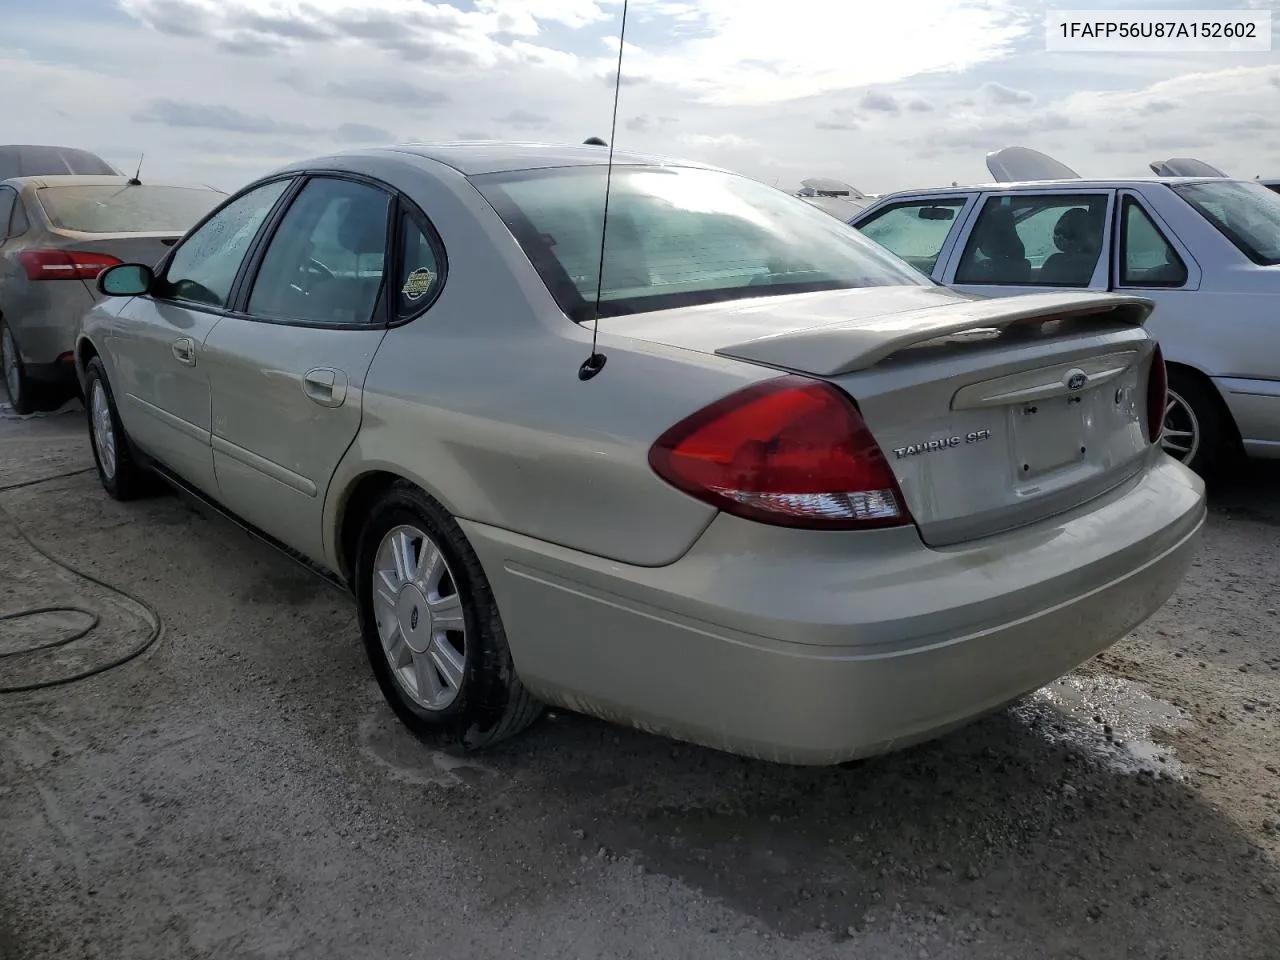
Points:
(880, 102)
(524, 118)
(999, 93)
(402, 94)
(643, 123)
(363, 133)
(214, 116)
(774, 96)
(839, 118)
(474, 135)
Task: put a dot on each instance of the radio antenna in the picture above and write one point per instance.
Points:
(595, 360)
(134, 181)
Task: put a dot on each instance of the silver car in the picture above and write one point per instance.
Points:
(56, 234)
(1205, 250)
(796, 501)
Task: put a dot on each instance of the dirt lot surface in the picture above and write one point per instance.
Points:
(240, 790)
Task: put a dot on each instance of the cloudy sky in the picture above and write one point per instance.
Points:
(885, 95)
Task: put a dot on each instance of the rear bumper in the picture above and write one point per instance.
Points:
(818, 648)
(44, 324)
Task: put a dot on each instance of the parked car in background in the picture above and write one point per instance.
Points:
(1205, 249)
(56, 234)
(41, 160)
(799, 502)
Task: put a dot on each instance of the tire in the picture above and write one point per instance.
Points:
(24, 394)
(455, 687)
(1195, 430)
(118, 471)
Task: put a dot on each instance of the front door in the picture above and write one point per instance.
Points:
(155, 347)
(1026, 241)
(287, 371)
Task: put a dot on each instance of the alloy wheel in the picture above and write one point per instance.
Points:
(419, 617)
(104, 433)
(1181, 435)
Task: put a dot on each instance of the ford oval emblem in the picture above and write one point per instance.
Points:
(1076, 379)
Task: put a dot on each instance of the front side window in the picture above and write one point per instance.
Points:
(1247, 214)
(1147, 259)
(126, 209)
(1037, 240)
(204, 266)
(678, 237)
(915, 231)
(325, 262)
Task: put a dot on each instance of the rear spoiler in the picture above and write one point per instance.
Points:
(845, 347)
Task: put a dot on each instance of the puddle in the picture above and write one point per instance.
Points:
(385, 741)
(1109, 718)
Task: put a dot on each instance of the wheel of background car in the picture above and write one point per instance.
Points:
(16, 383)
(119, 473)
(1194, 432)
(431, 628)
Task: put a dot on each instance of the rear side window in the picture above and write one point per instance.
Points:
(1147, 259)
(915, 231)
(1247, 214)
(126, 209)
(421, 269)
(1038, 240)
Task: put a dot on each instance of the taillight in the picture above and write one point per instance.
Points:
(1157, 395)
(792, 452)
(65, 264)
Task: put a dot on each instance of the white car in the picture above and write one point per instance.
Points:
(1206, 249)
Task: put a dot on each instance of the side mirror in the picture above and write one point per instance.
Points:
(936, 213)
(125, 280)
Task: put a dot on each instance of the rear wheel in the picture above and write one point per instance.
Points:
(431, 628)
(118, 472)
(1195, 430)
(22, 391)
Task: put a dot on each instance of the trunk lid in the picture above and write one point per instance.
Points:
(145, 248)
(993, 413)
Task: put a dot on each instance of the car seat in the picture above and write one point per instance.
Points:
(1078, 237)
(1006, 257)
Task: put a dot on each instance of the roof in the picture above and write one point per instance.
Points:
(87, 181)
(472, 158)
(31, 159)
(1067, 184)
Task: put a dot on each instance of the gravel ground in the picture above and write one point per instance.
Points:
(241, 791)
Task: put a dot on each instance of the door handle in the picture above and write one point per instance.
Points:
(326, 386)
(184, 351)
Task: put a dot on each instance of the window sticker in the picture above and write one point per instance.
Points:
(418, 284)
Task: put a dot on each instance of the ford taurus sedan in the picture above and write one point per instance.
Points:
(796, 501)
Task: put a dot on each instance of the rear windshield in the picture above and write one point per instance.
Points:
(678, 237)
(1247, 214)
(123, 209)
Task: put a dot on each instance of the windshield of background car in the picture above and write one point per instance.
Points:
(678, 237)
(1247, 214)
(124, 209)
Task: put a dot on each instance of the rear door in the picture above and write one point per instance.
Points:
(154, 349)
(287, 369)
(1033, 241)
(920, 230)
